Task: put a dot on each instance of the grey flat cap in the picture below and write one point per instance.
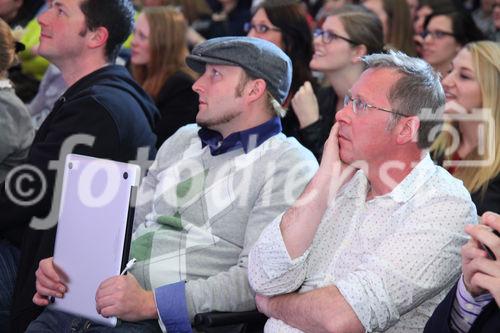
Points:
(261, 59)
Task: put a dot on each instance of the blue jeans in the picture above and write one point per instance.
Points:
(9, 260)
(60, 322)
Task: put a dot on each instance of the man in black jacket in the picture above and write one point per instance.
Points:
(473, 304)
(110, 114)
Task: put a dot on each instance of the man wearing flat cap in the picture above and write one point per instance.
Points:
(211, 190)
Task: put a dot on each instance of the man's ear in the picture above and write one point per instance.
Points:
(256, 89)
(408, 130)
(98, 37)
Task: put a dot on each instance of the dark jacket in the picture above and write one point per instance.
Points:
(110, 107)
(487, 322)
(490, 200)
(314, 136)
(178, 105)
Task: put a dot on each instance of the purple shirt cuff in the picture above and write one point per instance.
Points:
(464, 294)
(172, 307)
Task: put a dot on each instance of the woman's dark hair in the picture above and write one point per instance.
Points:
(464, 28)
(290, 18)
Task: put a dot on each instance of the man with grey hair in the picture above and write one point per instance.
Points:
(373, 242)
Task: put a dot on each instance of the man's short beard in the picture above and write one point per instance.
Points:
(212, 123)
(238, 92)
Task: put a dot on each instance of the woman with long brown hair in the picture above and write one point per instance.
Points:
(159, 49)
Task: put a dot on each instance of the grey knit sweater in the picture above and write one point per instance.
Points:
(198, 215)
(16, 130)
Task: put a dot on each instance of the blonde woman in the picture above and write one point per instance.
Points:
(159, 48)
(472, 87)
(473, 84)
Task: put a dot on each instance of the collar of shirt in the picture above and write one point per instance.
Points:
(248, 139)
(404, 191)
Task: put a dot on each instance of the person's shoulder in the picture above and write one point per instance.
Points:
(183, 138)
(113, 89)
(444, 182)
(448, 192)
(13, 115)
(287, 150)
(11, 102)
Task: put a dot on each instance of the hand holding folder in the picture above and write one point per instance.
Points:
(93, 236)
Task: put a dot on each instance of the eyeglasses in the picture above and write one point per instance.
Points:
(358, 106)
(260, 28)
(438, 34)
(328, 36)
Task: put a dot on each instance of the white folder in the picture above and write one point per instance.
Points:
(94, 230)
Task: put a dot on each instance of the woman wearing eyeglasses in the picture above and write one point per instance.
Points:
(285, 24)
(345, 36)
(444, 35)
(159, 48)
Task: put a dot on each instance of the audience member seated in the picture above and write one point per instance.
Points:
(284, 24)
(16, 131)
(424, 9)
(159, 49)
(104, 113)
(380, 252)
(472, 306)
(470, 146)
(444, 35)
(398, 28)
(347, 35)
(16, 135)
(206, 198)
